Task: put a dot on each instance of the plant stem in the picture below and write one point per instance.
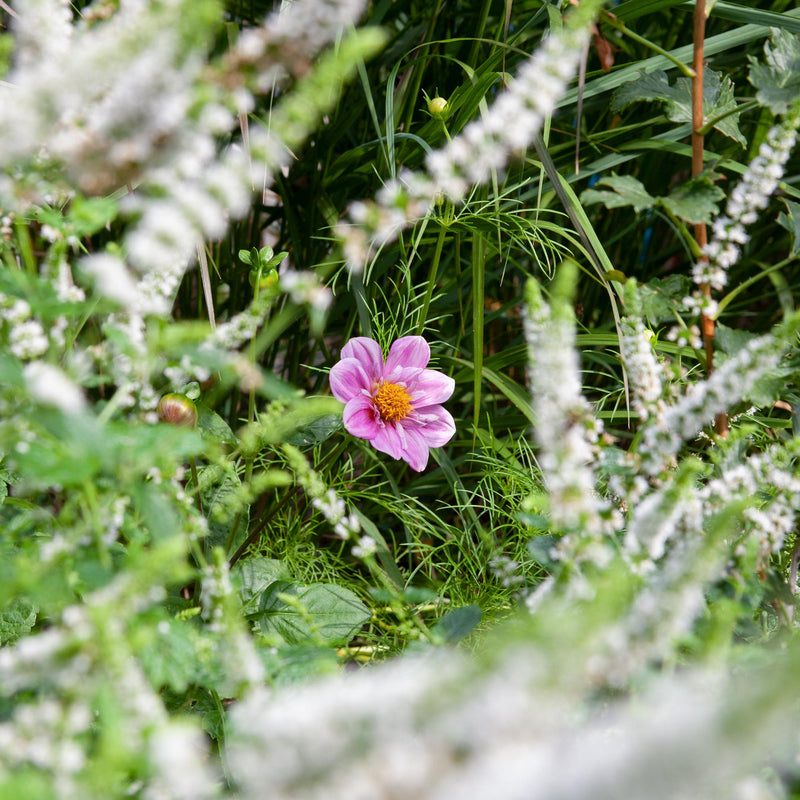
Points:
(700, 230)
(426, 303)
(611, 20)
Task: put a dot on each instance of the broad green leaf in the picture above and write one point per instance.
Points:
(290, 664)
(168, 655)
(695, 200)
(318, 613)
(791, 221)
(157, 515)
(777, 80)
(457, 623)
(317, 431)
(718, 99)
(213, 426)
(732, 340)
(254, 575)
(624, 190)
(17, 619)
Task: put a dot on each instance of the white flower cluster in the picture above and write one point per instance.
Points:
(436, 729)
(750, 196)
(288, 37)
(484, 147)
(334, 509)
(242, 327)
(50, 386)
(304, 288)
(773, 492)
(44, 734)
(324, 499)
(727, 385)
(514, 119)
(644, 372)
(565, 430)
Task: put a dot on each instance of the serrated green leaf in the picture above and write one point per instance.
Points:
(540, 549)
(290, 664)
(662, 297)
(695, 200)
(168, 656)
(317, 613)
(625, 191)
(777, 79)
(17, 619)
(718, 99)
(253, 575)
(222, 504)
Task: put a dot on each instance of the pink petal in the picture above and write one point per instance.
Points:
(368, 353)
(408, 351)
(438, 431)
(390, 439)
(360, 419)
(416, 450)
(430, 388)
(349, 379)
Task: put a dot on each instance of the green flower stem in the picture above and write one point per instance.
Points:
(714, 121)
(398, 604)
(25, 245)
(437, 255)
(611, 20)
(193, 467)
(685, 233)
(765, 272)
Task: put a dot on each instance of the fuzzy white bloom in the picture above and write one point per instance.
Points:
(217, 602)
(727, 385)
(111, 277)
(434, 730)
(27, 340)
(773, 491)
(179, 757)
(750, 196)
(50, 386)
(566, 430)
(304, 288)
(483, 148)
(365, 548)
(645, 374)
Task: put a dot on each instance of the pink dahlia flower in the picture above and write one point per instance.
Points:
(394, 404)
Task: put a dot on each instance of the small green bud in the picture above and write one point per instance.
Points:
(177, 409)
(437, 106)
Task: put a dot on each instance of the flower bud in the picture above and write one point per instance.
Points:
(177, 409)
(437, 106)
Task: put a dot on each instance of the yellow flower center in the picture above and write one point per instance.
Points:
(393, 402)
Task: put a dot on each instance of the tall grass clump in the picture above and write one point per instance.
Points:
(398, 400)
